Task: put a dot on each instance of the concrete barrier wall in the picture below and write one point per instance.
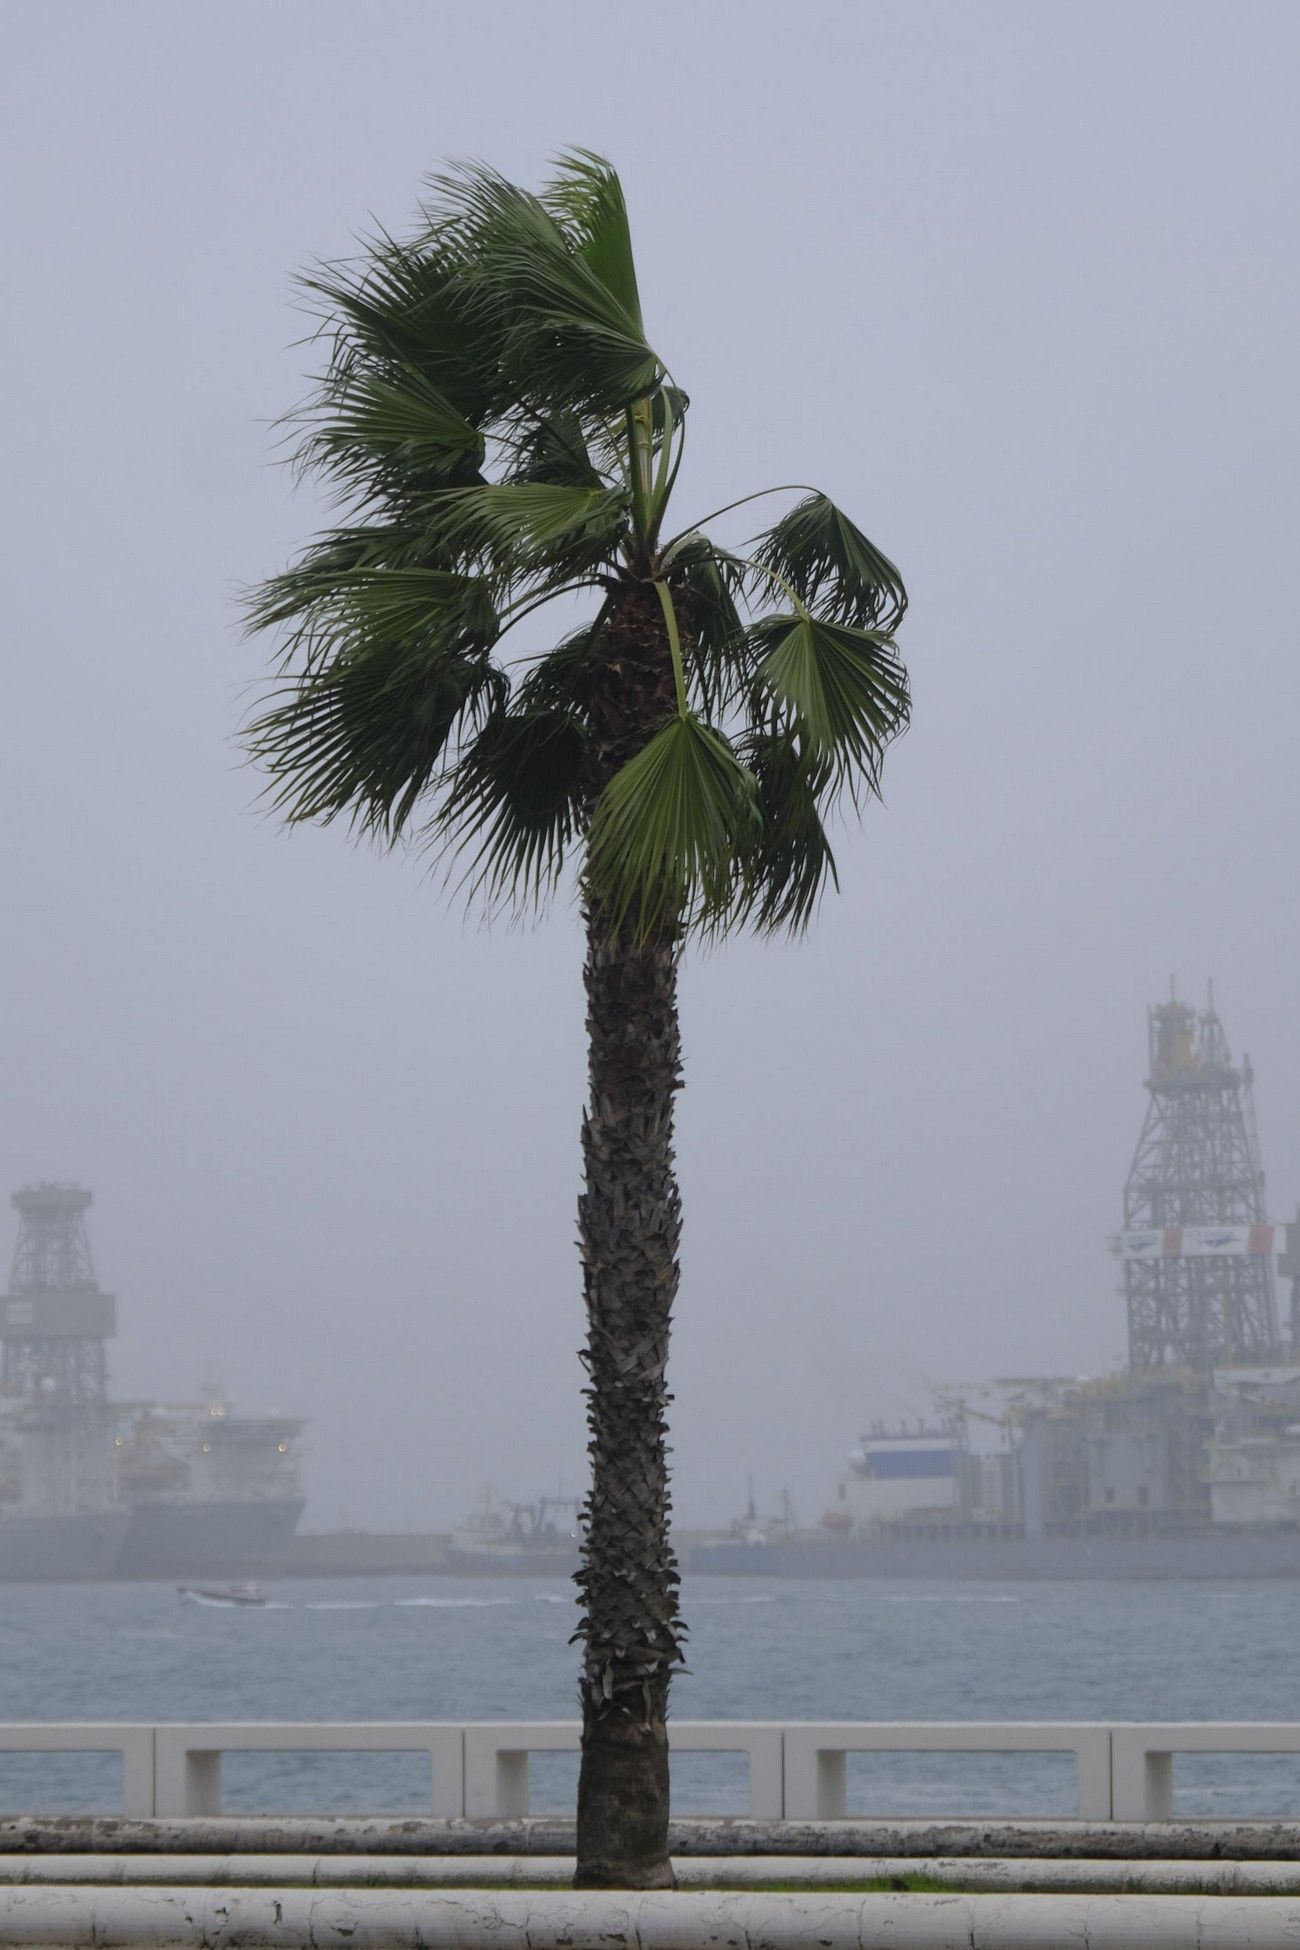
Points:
(797, 1769)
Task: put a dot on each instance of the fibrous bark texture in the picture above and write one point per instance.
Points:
(629, 1228)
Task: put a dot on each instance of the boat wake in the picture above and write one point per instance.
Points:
(747, 1598)
(389, 1604)
(948, 1598)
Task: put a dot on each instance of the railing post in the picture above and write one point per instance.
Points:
(1158, 1786)
(814, 1775)
(1095, 1774)
(447, 1767)
(187, 1779)
(496, 1763)
(202, 1792)
(139, 1767)
(1142, 1775)
(832, 1788)
(511, 1784)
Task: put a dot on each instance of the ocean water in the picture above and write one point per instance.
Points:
(439, 1648)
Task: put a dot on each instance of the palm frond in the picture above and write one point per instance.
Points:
(670, 829)
(832, 567)
(566, 339)
(707, 582)
(520, 527)
(399, 306)
(516, 801)
(391, 610)
(562, 680)
(587, 197)
(555, 451)
(367, 733)
(791, 862)
(373, 429)
(844, 688)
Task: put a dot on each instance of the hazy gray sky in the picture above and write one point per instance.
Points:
(1017, 284)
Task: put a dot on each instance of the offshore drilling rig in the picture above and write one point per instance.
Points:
(1185, 1463)
(1206, 1361)
(52, 1353)
(1197, 1249)
(95, 1488)
(56, 1453)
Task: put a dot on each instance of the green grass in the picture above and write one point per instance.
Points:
(867, 1886)
(920, 1885)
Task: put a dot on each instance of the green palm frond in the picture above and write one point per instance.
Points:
(521, 527)
(708, 584)
(671, 828)
(373, 427)
(566, 338)
(832, 567)
(587, 197)
(791, 861)
(402, 306)
(844, 689)
(367, 734)
(515, 805)
(324, 602)
(562, 680)
(556, 449)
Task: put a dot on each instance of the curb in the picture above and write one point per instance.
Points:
(193, 1919)
(716, 1873)
(1194, 1841)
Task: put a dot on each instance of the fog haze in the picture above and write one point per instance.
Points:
(1017, 286)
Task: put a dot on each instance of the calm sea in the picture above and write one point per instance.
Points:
(758, 1649)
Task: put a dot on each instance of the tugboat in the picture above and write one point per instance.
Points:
(522, 1540)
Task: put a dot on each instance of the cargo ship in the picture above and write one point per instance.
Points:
(90, 1488)
(1184, 1465)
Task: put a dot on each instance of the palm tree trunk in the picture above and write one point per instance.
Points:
(629, 1220)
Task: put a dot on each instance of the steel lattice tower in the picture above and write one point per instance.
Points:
(1197, 1164)
(54, 1320)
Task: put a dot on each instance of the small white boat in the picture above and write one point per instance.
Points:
(223, 1594)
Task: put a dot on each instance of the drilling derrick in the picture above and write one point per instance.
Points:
(53, 1326)
(1197, 1255)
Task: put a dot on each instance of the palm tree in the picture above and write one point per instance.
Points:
(500, 434)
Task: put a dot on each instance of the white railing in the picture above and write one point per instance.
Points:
(187, 1759)
(797, 1769)
(134, 1743)
(496, 1760)
(815, 1756)
(1142, 1757)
